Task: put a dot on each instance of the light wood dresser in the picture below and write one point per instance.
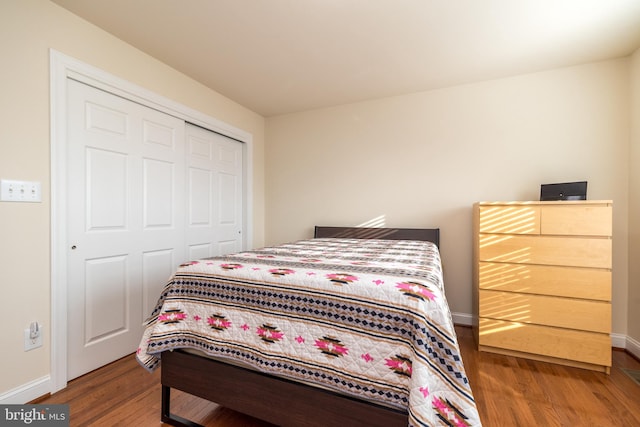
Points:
(542, 273)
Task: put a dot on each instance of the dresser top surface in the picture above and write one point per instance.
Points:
(537, 203)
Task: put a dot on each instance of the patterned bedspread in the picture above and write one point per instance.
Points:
(368, 318)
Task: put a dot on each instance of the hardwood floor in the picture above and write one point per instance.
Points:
(509, 391)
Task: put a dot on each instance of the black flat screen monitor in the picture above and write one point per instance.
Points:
(564, 191)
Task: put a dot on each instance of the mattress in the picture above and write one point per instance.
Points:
(366, 318)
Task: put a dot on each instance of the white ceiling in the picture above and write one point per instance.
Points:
(282, 56)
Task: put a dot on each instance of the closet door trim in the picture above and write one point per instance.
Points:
(63, 68)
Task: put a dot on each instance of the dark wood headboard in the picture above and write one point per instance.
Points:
(424, 234)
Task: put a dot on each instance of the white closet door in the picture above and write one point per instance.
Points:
(126, 223)
(215, 193)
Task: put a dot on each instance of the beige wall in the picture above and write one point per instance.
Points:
(28, 29)
(422, 159)
(416, 161)
(634, 203)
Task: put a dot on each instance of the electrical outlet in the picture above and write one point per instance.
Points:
(33, 337)
(20, 191)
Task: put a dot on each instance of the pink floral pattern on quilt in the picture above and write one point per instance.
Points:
(367, 318)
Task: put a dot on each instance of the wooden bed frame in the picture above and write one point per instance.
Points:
(278, 400)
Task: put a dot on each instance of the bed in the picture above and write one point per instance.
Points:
(350, 328)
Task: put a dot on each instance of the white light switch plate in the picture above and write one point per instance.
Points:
(20, 191)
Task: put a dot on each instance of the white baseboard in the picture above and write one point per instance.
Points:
(633, 347)
(464, 319)
(27, 392)
(619, 341)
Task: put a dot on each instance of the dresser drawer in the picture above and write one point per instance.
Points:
(544, 310)
(576, 220)
(586, 283)
(587, 347)
(565, 251)
(509, 219)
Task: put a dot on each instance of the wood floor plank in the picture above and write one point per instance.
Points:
(509, 391)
